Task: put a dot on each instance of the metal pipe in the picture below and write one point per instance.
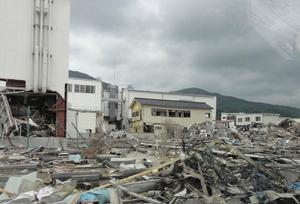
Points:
(50, 2)
(35, 49)
(45, 46)
(41, 45)
(28, 125)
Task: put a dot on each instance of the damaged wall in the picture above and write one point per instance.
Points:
(17, 39)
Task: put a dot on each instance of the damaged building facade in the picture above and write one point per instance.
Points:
(111, 107)
(155, 115)
(129, 95)
(34, 60)
(245, 119)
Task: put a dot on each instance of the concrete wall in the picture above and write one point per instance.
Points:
(83, 107)
(85, 101)
(265, 118)
(251, 116)
(16, 40)
(129, 95)
(271, 119)
(83, 121)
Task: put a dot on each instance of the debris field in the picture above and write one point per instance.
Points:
(206, 163)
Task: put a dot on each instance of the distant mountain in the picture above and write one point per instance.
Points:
(232, 104)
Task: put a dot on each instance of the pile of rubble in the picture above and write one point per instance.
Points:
(210, 163)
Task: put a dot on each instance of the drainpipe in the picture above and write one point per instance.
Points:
(41, 45)
(35, 48)
(45, 55)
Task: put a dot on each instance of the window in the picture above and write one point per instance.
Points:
(158, 112)
(82, 88)
(207, 115)
(240, 120)
(187, 114)
(135, 114)
(247, 119)
(69, 87)
(172, 113)
(116, 106)
(93, 89)
(88, 89)
(76, 88)
(258, 118)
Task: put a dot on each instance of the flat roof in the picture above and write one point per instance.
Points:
(171, 93)
(173, 103)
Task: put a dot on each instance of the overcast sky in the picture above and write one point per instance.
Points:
(248, 49)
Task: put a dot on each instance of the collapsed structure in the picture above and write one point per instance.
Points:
(206, 163)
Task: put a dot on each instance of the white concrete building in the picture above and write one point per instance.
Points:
(34, 51)
(84, 104)
(129, 95)
(244, 119)
(34, 55)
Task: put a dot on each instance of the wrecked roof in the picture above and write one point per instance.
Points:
(80, 75)
(173, 103)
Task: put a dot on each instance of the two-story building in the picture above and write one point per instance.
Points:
(152, 115)
(84, 104)
(128, 96)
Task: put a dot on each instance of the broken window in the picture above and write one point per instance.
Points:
(247, 119)
(240, 120)
(207, 115)
(135, 114)
(158, 112)
(172, 113)
(187, 114)
(258, 118)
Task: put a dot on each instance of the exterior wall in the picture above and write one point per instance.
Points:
(197, 116)
(251, 116)
(129, 95)
(16, 40)
(85, 101)
(83, 108)
(271, 119)
(145, 116)
(112, 107)
(83, 120)
(86, 121)
(265, 118)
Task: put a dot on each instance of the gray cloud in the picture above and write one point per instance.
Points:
(211, 44)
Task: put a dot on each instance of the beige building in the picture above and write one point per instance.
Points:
(152, 115)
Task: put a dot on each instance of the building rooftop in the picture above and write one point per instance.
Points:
(173, 93)
(173, 103)
(80, 75)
